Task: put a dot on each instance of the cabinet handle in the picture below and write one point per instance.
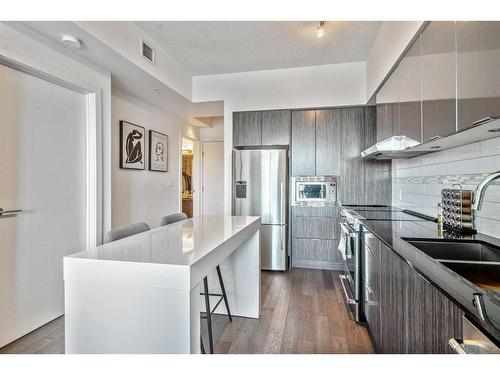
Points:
(434, 138)
(485, 120)
(457, 347)
(8, 212)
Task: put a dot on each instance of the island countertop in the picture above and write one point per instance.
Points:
(182, 243)
(141, 294)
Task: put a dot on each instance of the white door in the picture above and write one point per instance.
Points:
(42, 172)
(213, 178)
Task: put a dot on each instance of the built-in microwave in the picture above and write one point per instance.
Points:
(314, 189)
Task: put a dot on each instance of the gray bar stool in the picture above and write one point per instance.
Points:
(125, 231)
(169, 219)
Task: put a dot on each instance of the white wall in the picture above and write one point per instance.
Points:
(124, 38)
(216, 132)
(42, 55)
(417, 182)
(146, 195)
(315, 86)
(392, 39)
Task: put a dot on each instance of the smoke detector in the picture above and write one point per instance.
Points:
(71, 42)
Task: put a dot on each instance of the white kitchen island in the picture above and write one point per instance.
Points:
(141, 294)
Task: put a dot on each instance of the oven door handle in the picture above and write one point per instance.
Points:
(346, 231)
(349, 300)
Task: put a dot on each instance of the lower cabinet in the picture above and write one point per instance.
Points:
(409, 315)
(315, 237)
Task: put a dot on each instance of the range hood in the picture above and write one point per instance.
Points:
(395, 147)
(402, 147)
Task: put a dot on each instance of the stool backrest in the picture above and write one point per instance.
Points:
(125, 231)
(173, 218)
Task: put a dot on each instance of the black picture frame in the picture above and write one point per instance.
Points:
(137, 153)
(153, 164)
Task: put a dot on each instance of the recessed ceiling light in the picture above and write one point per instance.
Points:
(496, 130)
(156, 89)
(71, 42)
(320, 30)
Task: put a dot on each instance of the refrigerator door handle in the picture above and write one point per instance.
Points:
(282, 202)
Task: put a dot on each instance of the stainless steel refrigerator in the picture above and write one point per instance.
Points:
(260, 188)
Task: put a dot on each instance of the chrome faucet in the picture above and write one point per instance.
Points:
(481, 189)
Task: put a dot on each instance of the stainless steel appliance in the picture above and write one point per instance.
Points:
(314, 189)
(473, 342)
(350, 249)
(260, 189)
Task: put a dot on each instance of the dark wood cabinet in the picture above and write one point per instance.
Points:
(415, 316)
(372, 273)
(478, 64)
(276, 127)
(378, 187)
(328, 142)
(247, 129)
(303, 143)
(351, 184)
(382, 130)
(315, 234)
(432, 318)
(438, 79)
(392, 303)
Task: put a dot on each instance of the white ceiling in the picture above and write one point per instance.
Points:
(213, 47)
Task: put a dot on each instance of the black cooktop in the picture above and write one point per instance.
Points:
(389, 216)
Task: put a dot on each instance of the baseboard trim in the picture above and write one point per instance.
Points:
(334, 266)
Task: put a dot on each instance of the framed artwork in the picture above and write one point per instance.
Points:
(132, 145)
(158, 151)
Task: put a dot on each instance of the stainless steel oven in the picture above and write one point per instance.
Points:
(314, 189)
(350, 249)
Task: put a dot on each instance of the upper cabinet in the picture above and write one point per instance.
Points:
(478, 60)
(303, 143)
(261, 128)
(448, 80)
(438, 80)
(247, 129)
(276, 127)
(410, 93)
(328, 141)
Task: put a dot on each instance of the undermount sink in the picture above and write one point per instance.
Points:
(476, 261)
(468, 251)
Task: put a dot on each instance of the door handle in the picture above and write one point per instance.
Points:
(7, 212)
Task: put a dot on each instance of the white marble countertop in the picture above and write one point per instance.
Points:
(181, 243)
(187, 245)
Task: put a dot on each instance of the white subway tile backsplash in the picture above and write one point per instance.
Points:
(417, 182)
(490, 147)
(465, 152)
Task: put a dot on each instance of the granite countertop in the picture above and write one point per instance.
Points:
(456, 287)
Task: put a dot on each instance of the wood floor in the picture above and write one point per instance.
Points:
(302, 312)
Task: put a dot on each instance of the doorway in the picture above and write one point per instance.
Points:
(213, 178)
(187, 153)
(47, 135)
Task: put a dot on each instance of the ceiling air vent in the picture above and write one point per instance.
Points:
(147, 52)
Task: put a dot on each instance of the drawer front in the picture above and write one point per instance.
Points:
(373, 243)
(315, 250)
(372, 314)
(327, 211)
(372, 275)
(314, 227)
